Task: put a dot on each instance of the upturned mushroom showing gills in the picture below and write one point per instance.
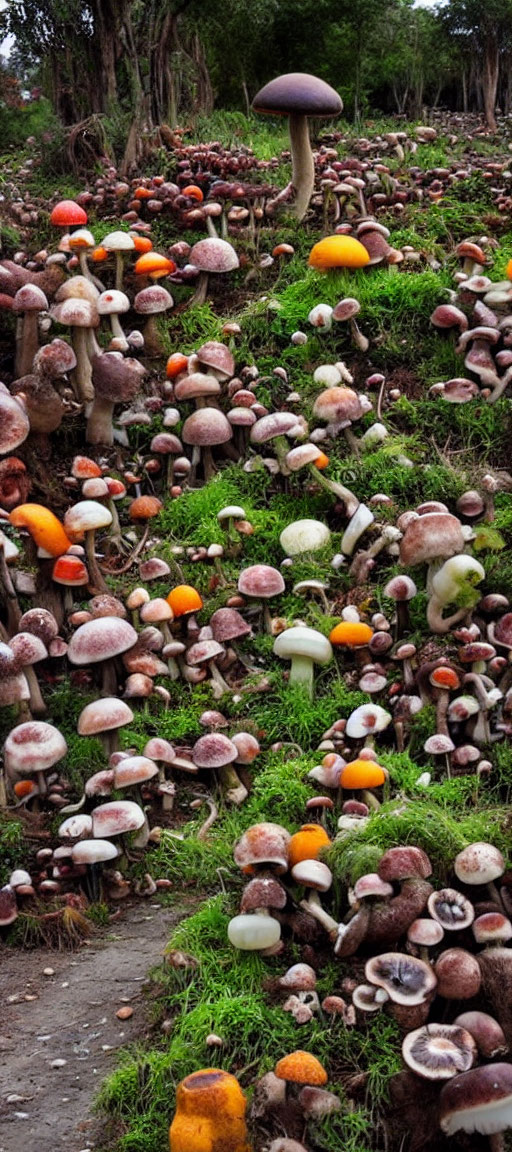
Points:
(210, 1114)
(305, 647)
(298, 96)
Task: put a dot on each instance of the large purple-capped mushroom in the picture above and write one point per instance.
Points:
(299, 95)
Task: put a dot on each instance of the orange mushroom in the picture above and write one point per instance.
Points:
(154, 265)
(301, 1068)
(508, 270)
(307, 843)
(184, 599)
(351, 634)
(46, 530)
(99, 254)
(338, 252)
(176, 363)
(193, 192)
(321, 461)
(142, 193)
(141, 244)
(24, 788)
(144, 508)
(210, 1114)
(360, 776)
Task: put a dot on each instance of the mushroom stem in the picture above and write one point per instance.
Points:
(231, 785)
(36, 702)
(218, 678)
(350, 501)
(7, 586)
(99, 424)
(303, 165)
(81, 376)
(199, 295)
(95, 576)
(301, 672)
(119, 271)
(497, 1142)
(28, 345)
(370, 800)
(436, 622)
(315, 909)
(117, 331)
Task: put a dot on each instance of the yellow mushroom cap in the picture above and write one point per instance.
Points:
(338, 252)
(301, 1068)
(46, 530)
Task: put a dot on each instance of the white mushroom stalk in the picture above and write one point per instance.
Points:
(454, 583)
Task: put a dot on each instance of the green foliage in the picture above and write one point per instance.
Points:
(12, 847)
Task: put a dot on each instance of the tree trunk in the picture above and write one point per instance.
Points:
(490, 76)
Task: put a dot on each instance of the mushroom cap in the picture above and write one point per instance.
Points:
(184, 599)
(351, 634)
(263, 844)
(195, 385)
(116, 818)
(478, 1101)
(118, 242)
(33, 747)
(458, 974)
(227, 624)
(371, 884)
(492, 926)
(430, 536)
(275, 424)
(93, 851)
(68, 214)
(84, 517)
(214, 750)
(103, 715)
(304, 536)
(439, 1051)
(301, 1068)
(362, 774)
(134, 770)
(424, 932)
(307, 843)
(116, 378)
(14, 423)
(217, 356)
(101, 639)
(213, 255)
(338, 405)
(29, 298)
(451, 909)
(299, 978)
(405, 979)
(297, 93)
(338, 252)
(152, 300)
(251, 933)
(366, 720)
(305, 642)
(203, 651)
(479, 863)
(44, 527)
(404, 863)
(263, 892)
(261, 581)
(207, 427)
(112, 302)
(485, 1030)
(77, 288)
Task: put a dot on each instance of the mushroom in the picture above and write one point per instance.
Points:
(298, 96)
(116, 380)
(439, 1051)
(210, 1113)
(81, 521)
(479, 1101)
(211, 256)
(304, 647)
(33, 748)
(406, 980)
(99, 641)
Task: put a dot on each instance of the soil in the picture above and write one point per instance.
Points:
(70, 1016)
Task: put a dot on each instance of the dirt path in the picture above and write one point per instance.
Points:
(70, 1017)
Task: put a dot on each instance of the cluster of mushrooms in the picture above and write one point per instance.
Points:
(88, 349)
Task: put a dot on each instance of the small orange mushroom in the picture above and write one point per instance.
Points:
(184, 599)
(301, 1068)
(362, 774)
(321, 461)
(307, 843)
(142, 193)
(24, 788)
(210, 1114)
(338, 252)
(154, 265)
(351, 634)
(99, 254)
(141, 244)
(144, 508)
(176, 363)
(193, 192)
(46, 530)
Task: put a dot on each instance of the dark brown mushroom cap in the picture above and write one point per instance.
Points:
(8, 906)
(227, 624)
(404, 863)
(14, 423)
(299, 93)
(214, 751)
(486, 1032)
(458, 974)
(478, 1101)
(439, 1051)
(116, 378)
(264, 892)
(429, 536)
(389, 919)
